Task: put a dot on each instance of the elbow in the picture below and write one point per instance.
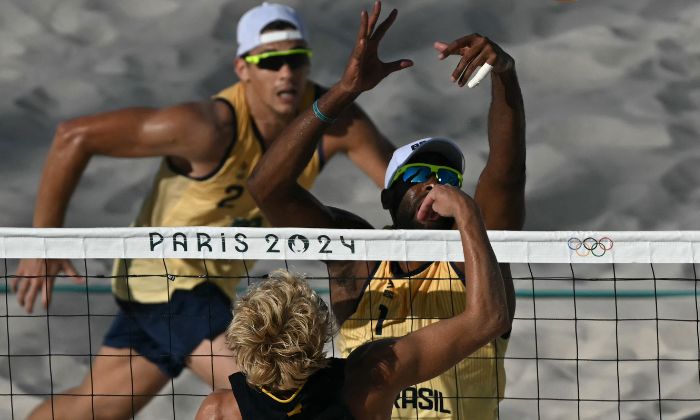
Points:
(495, 324)
(502, 323)
(518, 173)
(515, 179)
(509, 177)
(267, 192)
(263, 193)
(70, 138)
(258, 190)
(253, 186)
(514, 175)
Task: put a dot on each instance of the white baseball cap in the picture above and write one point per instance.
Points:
(254, 20)
(443, 146)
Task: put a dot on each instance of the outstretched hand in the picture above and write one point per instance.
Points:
(37, 276)
(364, 69)
(476, 51)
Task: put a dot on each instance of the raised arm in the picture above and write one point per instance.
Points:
(273, 184)
(500, 192)
(190, 134)
(393, 364)
(355, 135)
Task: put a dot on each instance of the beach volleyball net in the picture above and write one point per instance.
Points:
(606, 325)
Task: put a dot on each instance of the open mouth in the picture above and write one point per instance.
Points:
(287, 94)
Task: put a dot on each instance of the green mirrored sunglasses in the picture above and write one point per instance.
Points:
(274, 60)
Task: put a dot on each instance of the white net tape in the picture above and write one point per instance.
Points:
(339, 244)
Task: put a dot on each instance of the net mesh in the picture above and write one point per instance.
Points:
(607, 323)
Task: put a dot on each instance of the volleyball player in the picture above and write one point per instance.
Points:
(400, 297)
(209, 149)
(280, 328)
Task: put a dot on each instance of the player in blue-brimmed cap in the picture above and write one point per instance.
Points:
(209, 149)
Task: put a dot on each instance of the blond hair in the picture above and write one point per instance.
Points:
(279, 331)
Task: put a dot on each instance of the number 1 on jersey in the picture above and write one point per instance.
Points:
(383, 312)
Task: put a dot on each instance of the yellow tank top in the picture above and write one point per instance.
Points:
(394, 306)
(220, 199)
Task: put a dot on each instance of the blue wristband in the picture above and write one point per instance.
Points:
(320, 115)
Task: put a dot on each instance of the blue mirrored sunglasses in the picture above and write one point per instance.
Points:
(416, 173)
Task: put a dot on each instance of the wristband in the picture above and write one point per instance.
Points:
(320, 115)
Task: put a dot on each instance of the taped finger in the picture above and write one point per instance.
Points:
(480, 74)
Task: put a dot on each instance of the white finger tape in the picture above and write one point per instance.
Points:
(480, 74)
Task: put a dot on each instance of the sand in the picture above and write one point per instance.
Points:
(611, 88)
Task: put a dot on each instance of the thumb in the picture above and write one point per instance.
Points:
(397, 65)
(69, 270)
(425, 207)
(440, 47)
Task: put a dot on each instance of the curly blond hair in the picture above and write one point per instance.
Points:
(279, 331)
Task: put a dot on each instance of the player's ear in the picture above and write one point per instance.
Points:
(241, 68)
(387, 199)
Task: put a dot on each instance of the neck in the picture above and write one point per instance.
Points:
(408, 266)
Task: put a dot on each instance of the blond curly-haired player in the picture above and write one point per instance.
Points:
(280, 328)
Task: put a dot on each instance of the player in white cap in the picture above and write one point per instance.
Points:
(209, 149)
(385, 299)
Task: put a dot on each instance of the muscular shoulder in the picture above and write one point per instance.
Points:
(368, 373)
(205, 128)
(372, 362)
(219, 405)
(205, 115)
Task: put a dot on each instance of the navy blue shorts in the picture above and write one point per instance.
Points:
(166, 333)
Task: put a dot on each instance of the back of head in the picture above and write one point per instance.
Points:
(279, 331)
(254, 26)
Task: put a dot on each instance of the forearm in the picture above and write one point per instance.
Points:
(506, 127)
(435, 348)
(356, 135)
(500, 191)
(282, 164)
(485, 295)
(509, 288)
(64, 166)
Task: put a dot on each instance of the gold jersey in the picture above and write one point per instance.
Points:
(219, 199)
(394, 305)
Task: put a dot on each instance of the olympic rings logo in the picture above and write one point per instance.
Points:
(590, 246)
